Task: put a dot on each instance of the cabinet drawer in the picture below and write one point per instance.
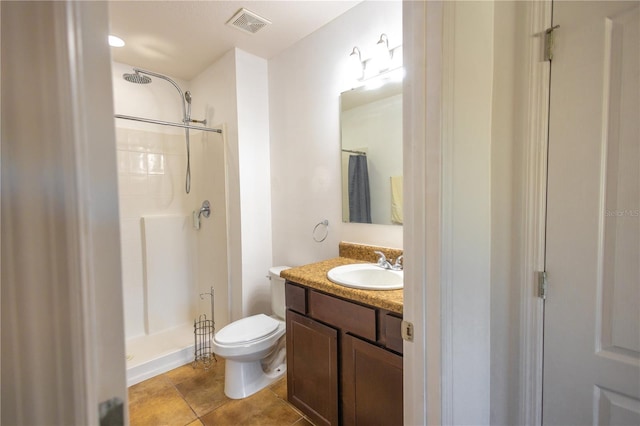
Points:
(393, 332)
(296, 298)
(347, 316)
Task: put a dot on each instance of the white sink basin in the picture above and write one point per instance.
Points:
(366, 276)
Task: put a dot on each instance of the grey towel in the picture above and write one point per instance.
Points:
(359, 196)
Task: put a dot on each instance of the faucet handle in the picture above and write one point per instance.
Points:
(399, 263)
(382, 259)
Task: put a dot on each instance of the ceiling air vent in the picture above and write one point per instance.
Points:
(248, 21)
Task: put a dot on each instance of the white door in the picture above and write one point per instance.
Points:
(592, 314)
(63, 354)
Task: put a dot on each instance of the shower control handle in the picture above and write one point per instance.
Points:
(205, 210)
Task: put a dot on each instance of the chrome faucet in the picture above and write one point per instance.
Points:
(382, 260)
(385, 264)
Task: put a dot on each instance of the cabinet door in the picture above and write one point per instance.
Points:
(312, 368)
(371, 384)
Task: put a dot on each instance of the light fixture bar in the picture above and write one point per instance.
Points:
(383, 61)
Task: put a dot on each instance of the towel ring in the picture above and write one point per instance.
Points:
(326, 233)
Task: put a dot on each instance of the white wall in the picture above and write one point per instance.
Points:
(305, 83)
(235, 88)
(255, 190)
(213, 92)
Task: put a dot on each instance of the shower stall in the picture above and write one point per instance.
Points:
(169, 164)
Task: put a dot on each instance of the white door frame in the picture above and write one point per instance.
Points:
(422, 38)
(62, 311)
(428, 49)
(532, 244)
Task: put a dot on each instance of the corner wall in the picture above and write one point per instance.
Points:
(255, 190)
(213, 92)
(236, 94)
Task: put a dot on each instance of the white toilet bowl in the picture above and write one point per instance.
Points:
(254, 347)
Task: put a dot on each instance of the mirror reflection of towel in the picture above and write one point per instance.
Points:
(359, 196)
(396, 199)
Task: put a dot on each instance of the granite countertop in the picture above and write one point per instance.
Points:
(314, 276)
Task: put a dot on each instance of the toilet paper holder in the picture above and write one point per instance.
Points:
(204, 329)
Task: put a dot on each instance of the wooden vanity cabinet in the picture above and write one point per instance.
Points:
(312, 368)
(344, 361)
(371, 384)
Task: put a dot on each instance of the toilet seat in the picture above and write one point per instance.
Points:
(247, 330)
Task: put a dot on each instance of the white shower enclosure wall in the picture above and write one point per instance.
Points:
(167, 263)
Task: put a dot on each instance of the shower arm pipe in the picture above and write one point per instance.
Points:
(164, 77)
(167, 123)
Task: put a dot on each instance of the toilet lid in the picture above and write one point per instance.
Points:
(247, 329)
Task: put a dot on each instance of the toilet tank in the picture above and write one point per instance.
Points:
(277, 291)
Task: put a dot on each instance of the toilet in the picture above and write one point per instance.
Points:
(254, 348)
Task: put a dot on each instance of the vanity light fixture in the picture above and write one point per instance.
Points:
(356, 64)
(384, 62)
(383, 54)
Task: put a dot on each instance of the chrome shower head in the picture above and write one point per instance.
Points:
(187, 114)
(136, 78)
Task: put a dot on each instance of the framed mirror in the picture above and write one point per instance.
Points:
(371, 142)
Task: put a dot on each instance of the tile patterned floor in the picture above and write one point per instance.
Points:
(194, 397)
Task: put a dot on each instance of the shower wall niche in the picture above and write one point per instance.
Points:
(166, 263)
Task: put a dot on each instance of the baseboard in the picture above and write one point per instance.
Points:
(162, 364)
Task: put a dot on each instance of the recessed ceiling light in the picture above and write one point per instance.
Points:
(115, 41)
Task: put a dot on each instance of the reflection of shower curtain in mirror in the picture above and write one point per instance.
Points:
(359, 196)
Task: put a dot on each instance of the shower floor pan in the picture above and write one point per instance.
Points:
(151, 355)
